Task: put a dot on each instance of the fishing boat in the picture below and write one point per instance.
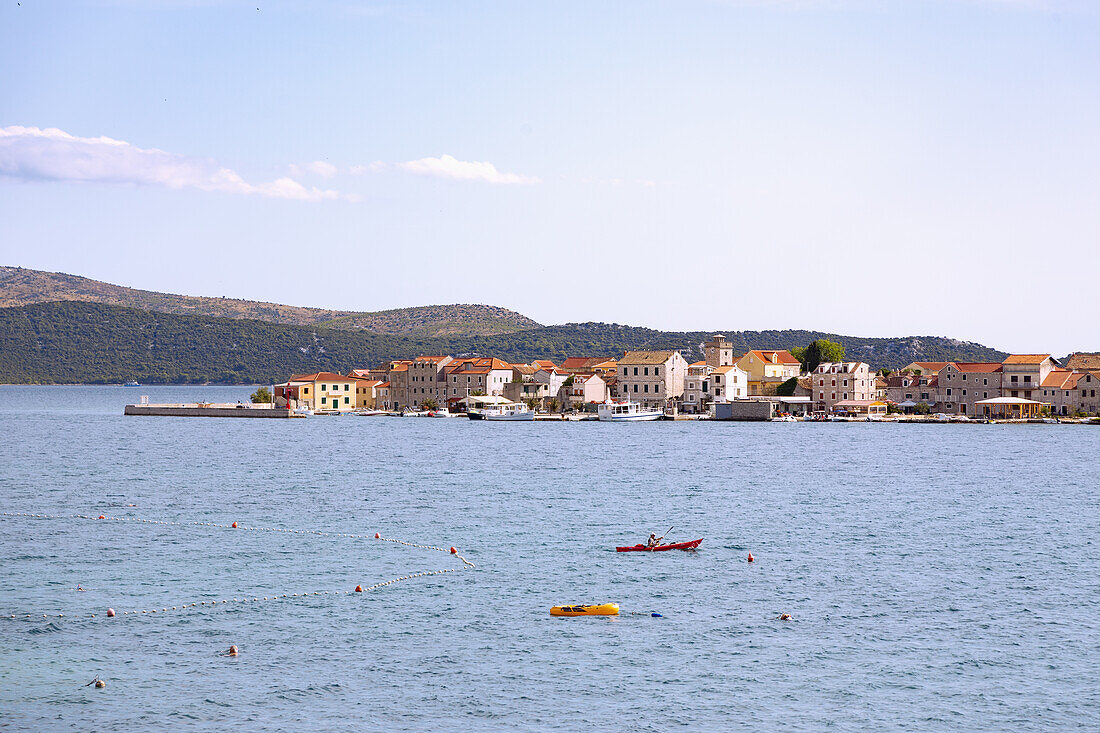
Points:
(131, 383)
(505, 412)
(661, 548)
(625, 411)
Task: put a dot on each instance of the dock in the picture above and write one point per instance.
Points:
(207, 409)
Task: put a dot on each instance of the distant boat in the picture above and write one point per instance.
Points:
(625, 412)
(131, 383)
(511, 411)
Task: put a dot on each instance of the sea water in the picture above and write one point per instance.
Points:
(939, 577)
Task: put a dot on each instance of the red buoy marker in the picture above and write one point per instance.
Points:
(358, 589)
(377, 536)
(234, 525)
(751, 558)
(454, 551)
(102, 516)
(110, 613)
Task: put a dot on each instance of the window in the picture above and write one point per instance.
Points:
(324, 400)
(647, 388)
(347, 400)
(834, 396)
(347, 387)
(1027, 377)
(1014, 378)
(657, 388)
(948, 391)
(624, 371)
(646, 370)
(635, 371)
(845, 382)
(324, 388)
(635, 388)
(834, 382)
(985, 381)
(845, 395)
(656, 371)
(985, 395)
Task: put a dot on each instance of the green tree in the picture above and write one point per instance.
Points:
(787, 388)
(261, 396)
(553, 404)
(798, 352)
(532, 403)
(429, 403)
(478, 393)
(821, 350)
(884, 372)
(922, 408)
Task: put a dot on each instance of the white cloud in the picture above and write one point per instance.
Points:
(446, 166)
(50, 154)
(317, 168)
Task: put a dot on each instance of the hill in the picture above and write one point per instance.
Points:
(19, 287)
(81, 342)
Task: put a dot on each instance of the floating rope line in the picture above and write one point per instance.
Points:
(198, 604)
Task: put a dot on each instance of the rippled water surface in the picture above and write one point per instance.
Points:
(940, 577)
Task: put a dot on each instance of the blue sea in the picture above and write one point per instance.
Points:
(939, 577)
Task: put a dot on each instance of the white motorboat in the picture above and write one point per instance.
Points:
(506, 411)
(302, 411)
(784, 418)
(441, 412)
(370, 413)
(625, 412)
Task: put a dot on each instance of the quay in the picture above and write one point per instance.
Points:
(208, 409)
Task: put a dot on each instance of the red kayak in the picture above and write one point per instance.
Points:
(661, 548)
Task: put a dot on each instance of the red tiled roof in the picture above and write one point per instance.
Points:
(1026, 358)
(320, 376)
(932, 366)
(1084, 361)
(977, 366)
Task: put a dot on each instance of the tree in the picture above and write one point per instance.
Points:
(531, 402)
(798, 352)
(477, 393)
(821, 350)
(884, 372)
(568, 381)
(922, 408)
(261, 396)
(553, 404)
(429, 403)
(787, 388)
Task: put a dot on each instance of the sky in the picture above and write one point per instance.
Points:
(863, 167)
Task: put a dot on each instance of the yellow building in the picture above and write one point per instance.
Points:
(321, 391)
(766, 370)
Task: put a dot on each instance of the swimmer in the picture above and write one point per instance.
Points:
(97, 682)
(232, 652)
(79, 588)
(784, 617)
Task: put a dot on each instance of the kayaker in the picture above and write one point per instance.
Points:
(654, 540)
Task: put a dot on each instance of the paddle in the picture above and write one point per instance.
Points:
(659, 541)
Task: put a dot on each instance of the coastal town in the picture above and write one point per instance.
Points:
(763, 384)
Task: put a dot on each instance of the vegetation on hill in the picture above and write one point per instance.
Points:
(81, 342)
(19, 287)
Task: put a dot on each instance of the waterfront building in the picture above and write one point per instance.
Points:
(768, 369)
(468, 376)
(835, 382)
(652, 378)
(325, 391)
(1083, 362)
(961, 385)
(1023, 374)
(584, 389)
(697, 395)
(366, 394)
(589, 365)
(729, 383)
(427, 379)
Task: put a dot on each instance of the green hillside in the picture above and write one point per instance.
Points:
(19, 287)
(75, 342)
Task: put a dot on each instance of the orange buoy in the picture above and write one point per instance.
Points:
(454, 551)
(234, 525)
(751, 558)
(358, 589)
(102, 516)
(377, 536)
(110, 613)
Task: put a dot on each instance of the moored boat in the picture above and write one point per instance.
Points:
(661, 548)
(604, 609)
(625, 411)
(504, 412)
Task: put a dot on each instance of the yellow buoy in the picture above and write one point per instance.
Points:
(606, 609)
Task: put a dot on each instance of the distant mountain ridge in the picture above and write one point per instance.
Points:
(84, 342)
(20, 286)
